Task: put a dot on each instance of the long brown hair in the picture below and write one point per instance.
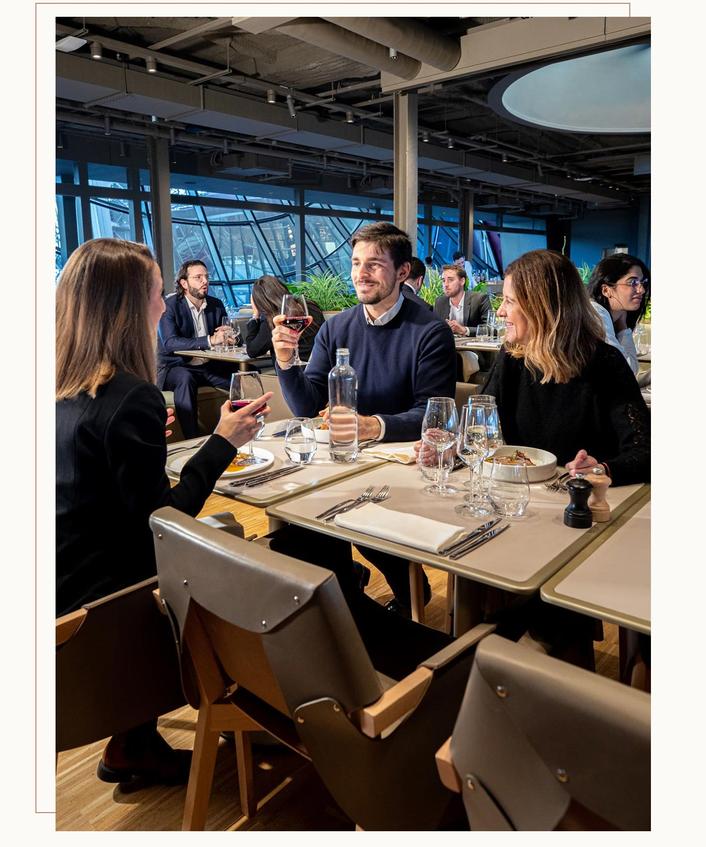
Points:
(102, 316)
(563, 328)
(267, 294)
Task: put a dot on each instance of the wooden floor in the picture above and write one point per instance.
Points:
(293, 798)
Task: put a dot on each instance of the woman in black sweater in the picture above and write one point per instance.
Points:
(267, 293)
(111, 453)
(557, 384)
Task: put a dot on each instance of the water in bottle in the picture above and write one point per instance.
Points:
(343, 409)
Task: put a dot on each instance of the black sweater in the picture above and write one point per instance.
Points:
(110, 457)
(601, 411)
(258, 335)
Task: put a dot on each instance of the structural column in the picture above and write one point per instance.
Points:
(406, 183)
(161, 207)
(465, 224)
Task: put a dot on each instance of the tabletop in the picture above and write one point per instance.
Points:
(520, 560)
(320, 472)
(239, 356)
(465, 343)
(610, 582)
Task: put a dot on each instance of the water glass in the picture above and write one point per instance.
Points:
(439, 429)
(509, 489)
(483, 333)
(300, 440)
(428, 463)
(472, 448)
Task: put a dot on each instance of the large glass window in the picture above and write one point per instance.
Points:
(107, 176)
(110, 218)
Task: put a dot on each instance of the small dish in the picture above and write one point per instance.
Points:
(543, 468)
(176, 463)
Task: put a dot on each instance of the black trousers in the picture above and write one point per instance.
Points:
(396, 572)
(184, 381)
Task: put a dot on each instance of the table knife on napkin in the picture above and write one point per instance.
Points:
(478, 542)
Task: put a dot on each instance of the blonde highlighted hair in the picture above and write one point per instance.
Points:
(102, 316)
(563, 328)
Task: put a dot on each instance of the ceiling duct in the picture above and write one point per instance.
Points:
(342, 42)
(408, 37)
(251, 164)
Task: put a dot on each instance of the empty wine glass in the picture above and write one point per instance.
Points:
(439, 429)
(296, 317)
(483, 332)
(509, 489)
(246, 386)
(300, 440)
(472, 448)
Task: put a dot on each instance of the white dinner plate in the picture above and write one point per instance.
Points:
(543, 468)
(177, 462)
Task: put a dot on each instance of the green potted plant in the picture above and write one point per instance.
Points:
(327, 289)
(433, 286)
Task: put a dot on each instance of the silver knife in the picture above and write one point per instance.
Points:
(479, 530)
(261, 479)
(478, 542)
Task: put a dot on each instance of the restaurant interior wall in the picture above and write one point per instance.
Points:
(243, 229)
(603, 229)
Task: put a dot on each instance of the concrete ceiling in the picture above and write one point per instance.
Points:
(212, 80)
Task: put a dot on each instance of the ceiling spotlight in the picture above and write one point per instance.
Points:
(450, 143)
(60, 142)
(151, 65)
(96, 50)
(106, 125)
(123, 150)
(393, 53)
(504, 157)
(290, 106)
(225, 146)
(349, 118)
(539, 169)
(271, 95)
(425, 137)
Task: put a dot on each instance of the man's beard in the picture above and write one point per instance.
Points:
(374, 297)
(196, 293)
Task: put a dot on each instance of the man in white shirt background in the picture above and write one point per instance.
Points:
(462, 310)
(192, 321)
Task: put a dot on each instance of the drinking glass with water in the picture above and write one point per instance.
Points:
(509, 489)
(300, 440)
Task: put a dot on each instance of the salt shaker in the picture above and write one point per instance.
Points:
(597, 501)
(577, 514)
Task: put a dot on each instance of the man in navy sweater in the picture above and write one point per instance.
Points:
(402, 353)
(191, 321)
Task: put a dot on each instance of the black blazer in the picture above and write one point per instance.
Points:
(110, 457)
(176, 332)
(476, 308)
(410, 294)
(258, 335)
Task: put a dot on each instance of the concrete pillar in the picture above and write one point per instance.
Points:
(465, 223)
(406, 184)
(161, 208)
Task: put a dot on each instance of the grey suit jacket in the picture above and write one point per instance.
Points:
(476, 307)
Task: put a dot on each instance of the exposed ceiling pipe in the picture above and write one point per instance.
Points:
(341, 42)
(194, 32)
(408, 37)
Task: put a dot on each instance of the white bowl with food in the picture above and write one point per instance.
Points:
(540, 464)
(322, 435)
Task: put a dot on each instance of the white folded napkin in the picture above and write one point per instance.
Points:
(394, 453)
(411, 530)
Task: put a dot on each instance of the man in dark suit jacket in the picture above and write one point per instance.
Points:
(192, 321)
(462, 310)
(410, 287)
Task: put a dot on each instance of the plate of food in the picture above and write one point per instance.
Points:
(540, 464)
(240, 466)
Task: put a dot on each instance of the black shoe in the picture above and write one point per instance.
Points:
(155, 764)
(398, 608)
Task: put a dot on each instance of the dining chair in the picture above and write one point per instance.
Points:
(273, 646)
(116, 667)
(542, 745)
(280, 409)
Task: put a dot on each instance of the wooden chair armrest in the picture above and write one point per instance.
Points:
(394, 704)
(68, 625)
(447, 770)
(458, 646)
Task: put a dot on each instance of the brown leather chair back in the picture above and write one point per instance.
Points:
(540, 744)
(116, 667)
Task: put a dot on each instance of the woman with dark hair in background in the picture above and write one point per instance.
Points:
(619, 289)
(111, 452)
(267, 293)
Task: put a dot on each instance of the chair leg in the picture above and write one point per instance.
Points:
(450, 586)
(416, 591)
(203, 764)
(246, 776)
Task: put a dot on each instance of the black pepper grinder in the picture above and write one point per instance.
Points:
(577, 514)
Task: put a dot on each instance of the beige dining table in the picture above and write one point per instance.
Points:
(520, 560)
(239, 357)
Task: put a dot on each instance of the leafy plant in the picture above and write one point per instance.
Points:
(495, 299)
(585, 272)
(433, 286)
(328, 290)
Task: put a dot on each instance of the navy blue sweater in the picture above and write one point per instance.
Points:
(399, 366)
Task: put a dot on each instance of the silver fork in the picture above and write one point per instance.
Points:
(382, 494)
(558, 483)
(333, 509)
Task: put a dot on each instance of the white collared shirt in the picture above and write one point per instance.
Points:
(456, 312)
(198, 315)
(387, 316)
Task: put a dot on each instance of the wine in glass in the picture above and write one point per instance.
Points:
(246, 386)
(472, 448)
(439, 432)
(296, 317)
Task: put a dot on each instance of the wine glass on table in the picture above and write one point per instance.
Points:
(296, 317)
(472, 448)
(246, 386)
(439, 433)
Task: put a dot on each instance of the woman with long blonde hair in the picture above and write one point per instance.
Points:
(111, 453)
(557, 384)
